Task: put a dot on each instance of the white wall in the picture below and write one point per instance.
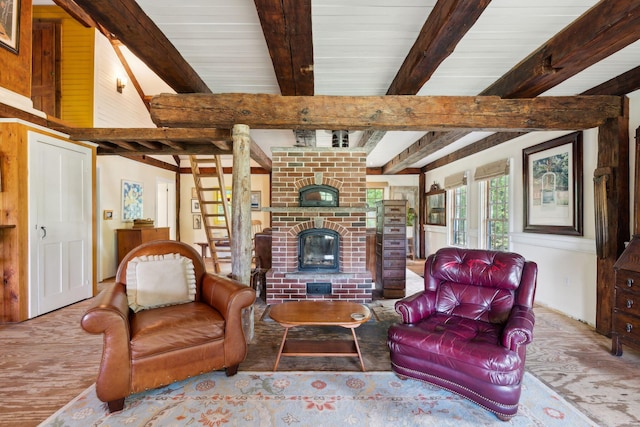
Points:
(114, 109)
(111, 171)
(566, 264)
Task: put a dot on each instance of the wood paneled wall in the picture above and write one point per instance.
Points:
(15, 71)
(14, 209)
(76, 67)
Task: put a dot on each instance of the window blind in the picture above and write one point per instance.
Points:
(492, 170)
(455, 180)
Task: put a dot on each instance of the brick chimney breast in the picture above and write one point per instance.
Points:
(292, 169)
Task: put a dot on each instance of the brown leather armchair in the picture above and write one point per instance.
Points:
(155, 347)
(468, 330)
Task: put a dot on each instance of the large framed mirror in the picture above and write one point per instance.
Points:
(436, 206)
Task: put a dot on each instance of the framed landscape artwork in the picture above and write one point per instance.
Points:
(552, 183)
(10, 24)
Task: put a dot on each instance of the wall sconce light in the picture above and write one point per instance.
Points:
(120, 84)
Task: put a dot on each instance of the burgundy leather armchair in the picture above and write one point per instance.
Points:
(157, 346)
(468, 330)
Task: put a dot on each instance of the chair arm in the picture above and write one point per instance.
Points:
(416, 307)
(109, 315)
(519, 328)
(229, 297)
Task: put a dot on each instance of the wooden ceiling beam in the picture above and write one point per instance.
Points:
(126, 20)
(153, 162)
(286, 25)
(260, 156)
(603, 30)
(428, 144)
(158, 134)
(76, 12)
(126, 145)
(618, 86)
(445, 26)
(471, 149)
(151, 145)
(137, 150)
(389, 112)
(174, 145)
(621, 85)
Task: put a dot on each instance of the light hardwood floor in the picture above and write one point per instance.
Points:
(47, 361)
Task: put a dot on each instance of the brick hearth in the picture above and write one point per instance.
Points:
(341, 168)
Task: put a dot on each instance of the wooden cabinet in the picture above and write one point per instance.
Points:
(129, 238)
(626, 299)
(370, 252)
(391, 248)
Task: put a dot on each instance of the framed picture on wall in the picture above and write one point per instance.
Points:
(131, 200)
(552, 183)
(255, 200)
(197, 221)
(195, 206)
(10, 24)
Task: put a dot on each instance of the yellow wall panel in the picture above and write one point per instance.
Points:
(76, 66)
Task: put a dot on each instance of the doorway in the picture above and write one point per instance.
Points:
(60, 223)
(166, 205)
(45, 66)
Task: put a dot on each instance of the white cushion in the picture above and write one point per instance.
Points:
(160, 280)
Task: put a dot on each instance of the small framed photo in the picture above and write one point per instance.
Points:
(255, 200)
(195, 206)
(197, 221)
(107, 215)
(194, 193)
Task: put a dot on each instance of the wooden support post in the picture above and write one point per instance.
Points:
(241, 205)
(241, 216)
(613, 152)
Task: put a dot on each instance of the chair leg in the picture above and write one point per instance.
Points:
(231, 370)
(504, 418)
(116, 405)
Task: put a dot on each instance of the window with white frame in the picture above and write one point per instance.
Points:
(459, 216)
(494, 183)
(374, 195)
(457, 186)
(497, 213)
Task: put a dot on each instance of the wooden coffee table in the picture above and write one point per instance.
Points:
(349, 315)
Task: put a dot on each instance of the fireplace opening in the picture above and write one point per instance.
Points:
(318, 195)
(318, 250)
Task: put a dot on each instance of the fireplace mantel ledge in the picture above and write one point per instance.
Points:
(322, 209)
(310, 275)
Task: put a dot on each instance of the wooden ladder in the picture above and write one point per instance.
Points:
(214, 207)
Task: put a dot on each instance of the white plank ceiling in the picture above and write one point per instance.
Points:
(359, 45)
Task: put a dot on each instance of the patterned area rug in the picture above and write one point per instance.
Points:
(312, 399)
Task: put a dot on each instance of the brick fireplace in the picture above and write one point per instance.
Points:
(344, 170)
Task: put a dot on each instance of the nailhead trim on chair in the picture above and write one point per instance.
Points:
(455, 392)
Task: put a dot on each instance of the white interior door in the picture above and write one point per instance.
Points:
(60, 221)
(166, 205)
